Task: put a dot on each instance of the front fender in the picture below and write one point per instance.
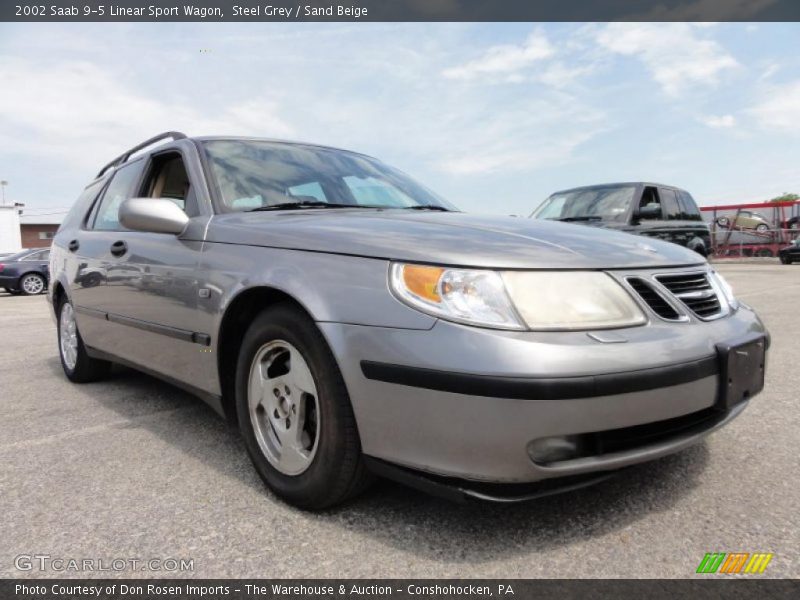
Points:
(331, 287)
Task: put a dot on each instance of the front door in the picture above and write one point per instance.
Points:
(147, 285)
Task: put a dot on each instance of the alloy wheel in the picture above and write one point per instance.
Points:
(32, 284)
(68, 336)
(284, 408)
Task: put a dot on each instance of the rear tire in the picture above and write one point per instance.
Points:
(78, 366)
(283, 356)
(32, 284)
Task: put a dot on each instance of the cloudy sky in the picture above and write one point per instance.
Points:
(495, 117)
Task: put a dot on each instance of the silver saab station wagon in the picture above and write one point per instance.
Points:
(353, 323)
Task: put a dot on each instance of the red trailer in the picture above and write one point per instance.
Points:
(752, 229)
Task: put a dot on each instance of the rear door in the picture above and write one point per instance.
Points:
(38, 261)
(698, 233)
(87, 256)
(675, 228)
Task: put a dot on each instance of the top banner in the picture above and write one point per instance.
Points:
(399, 10)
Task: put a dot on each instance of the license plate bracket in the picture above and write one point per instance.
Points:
(741, 371)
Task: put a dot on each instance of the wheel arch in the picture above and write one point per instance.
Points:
(239, 314)
(34, 272)
(58, 290)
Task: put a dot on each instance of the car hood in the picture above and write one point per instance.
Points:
(448, 239)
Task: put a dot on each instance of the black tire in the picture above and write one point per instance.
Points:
(86, 369)
(32, 277)
(723, 221)
(337, 472)
(762, 227)
(786, 261)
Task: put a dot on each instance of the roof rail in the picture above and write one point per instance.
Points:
(173, 135)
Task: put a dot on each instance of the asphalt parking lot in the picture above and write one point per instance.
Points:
(134, 468)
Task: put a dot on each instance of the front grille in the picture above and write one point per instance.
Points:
(638, 436)
(653, 299)
(695, 291)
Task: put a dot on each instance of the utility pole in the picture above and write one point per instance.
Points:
(3, 185)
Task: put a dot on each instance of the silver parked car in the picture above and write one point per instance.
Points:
(352, 323)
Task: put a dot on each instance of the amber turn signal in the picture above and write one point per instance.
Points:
(423, 281)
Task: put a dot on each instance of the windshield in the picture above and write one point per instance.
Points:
(251, 175)
(590, 204)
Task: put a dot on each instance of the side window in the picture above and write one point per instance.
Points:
(650, 205)
(83, 209)
(119, 190)
(669, 199)
(167, 178)
(689, 207)
(37, 256)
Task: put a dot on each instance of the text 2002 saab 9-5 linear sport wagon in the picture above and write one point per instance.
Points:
(353, 323)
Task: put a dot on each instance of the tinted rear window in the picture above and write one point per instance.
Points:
(689, 207)
(119, 190)
(669, 200)
(83, 205)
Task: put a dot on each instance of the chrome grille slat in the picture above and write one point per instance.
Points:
(695, 292)
(675, 296)
(699, 295)
(657, 303)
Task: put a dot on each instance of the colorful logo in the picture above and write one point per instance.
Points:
(734, 562)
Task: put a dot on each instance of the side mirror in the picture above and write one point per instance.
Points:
(156, 215)
(650, 211)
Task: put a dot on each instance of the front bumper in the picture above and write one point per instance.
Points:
(466, 403)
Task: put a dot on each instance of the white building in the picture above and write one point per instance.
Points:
(10, 237)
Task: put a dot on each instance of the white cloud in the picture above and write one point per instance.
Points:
(52, 108)
(719, 121)
(779, 108)
(535, 134)
(769, 71)
(674, 53)
(505, 60)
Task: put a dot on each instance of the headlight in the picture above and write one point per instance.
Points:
(538, 300)
(571, 300)
(726, 289)
(465, 295)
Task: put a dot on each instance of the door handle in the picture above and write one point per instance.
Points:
(119, 248)
(73, 245)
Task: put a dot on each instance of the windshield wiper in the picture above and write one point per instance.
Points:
(427, 207)
(583, 218)
(303, 204)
